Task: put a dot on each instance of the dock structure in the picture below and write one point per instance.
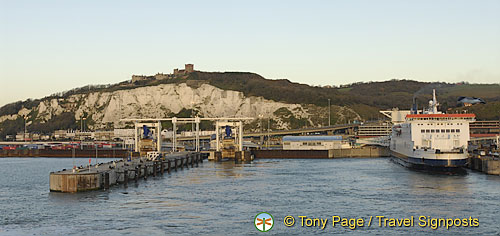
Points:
(486, 164)
(362, 152)
(117, 172)
(227, 147)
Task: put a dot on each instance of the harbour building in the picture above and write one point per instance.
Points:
(314, 142)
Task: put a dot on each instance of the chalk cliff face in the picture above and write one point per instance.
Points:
(105, 109)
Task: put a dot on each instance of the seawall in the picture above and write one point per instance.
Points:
(362, 152)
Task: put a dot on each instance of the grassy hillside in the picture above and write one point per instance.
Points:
(365, 98)
(488, 111)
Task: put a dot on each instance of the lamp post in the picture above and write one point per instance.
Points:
(329, 112)
(24, 134)
(96, 156)
(84, 123)
(268, 128)
(192, 114)
(261, 129)
(73, 154)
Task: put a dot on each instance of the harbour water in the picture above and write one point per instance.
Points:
(224, 198)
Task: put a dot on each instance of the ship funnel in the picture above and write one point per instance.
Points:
(434, 104)
(414, 106)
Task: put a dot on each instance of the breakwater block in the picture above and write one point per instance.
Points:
(485, 164)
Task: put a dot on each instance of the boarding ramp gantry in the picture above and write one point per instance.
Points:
(219, 122)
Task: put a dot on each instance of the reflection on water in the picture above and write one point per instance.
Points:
(193, 201)
(229, 169)
(439, 182)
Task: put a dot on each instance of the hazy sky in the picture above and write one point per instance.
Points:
(52, 46)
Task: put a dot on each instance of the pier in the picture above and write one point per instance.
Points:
(105, 175)
(486, 164)
(362, 152)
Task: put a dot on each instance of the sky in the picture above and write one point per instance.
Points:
(53, 46)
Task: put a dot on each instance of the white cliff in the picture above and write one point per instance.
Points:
(104, 108)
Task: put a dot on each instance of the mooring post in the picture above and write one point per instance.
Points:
(154, 168)
(192, 160)
(168, 165)
(145, 171)
(175, 164)
(137, 173)
(162, 167)
(197, 159)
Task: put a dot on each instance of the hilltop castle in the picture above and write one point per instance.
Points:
(188, 68)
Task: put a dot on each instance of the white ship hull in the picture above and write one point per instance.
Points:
(426, 159)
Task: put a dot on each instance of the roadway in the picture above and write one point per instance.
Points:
(284, 132)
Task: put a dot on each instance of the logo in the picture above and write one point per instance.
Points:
(263, 222)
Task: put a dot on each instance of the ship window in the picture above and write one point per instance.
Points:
(422, 131)
(433, 131)
(453, 131)
(442, 131)
(447, 131)
(458, 131)
(437, 131)
(427, 131)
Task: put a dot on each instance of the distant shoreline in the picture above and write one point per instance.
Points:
(29, 153)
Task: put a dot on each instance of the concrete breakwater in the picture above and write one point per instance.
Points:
(486, 164)
(322, 154)
(102, 153)
(107, 174)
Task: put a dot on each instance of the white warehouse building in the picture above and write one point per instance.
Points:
(314, 143)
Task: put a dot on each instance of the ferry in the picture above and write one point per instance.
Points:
(429, 139)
